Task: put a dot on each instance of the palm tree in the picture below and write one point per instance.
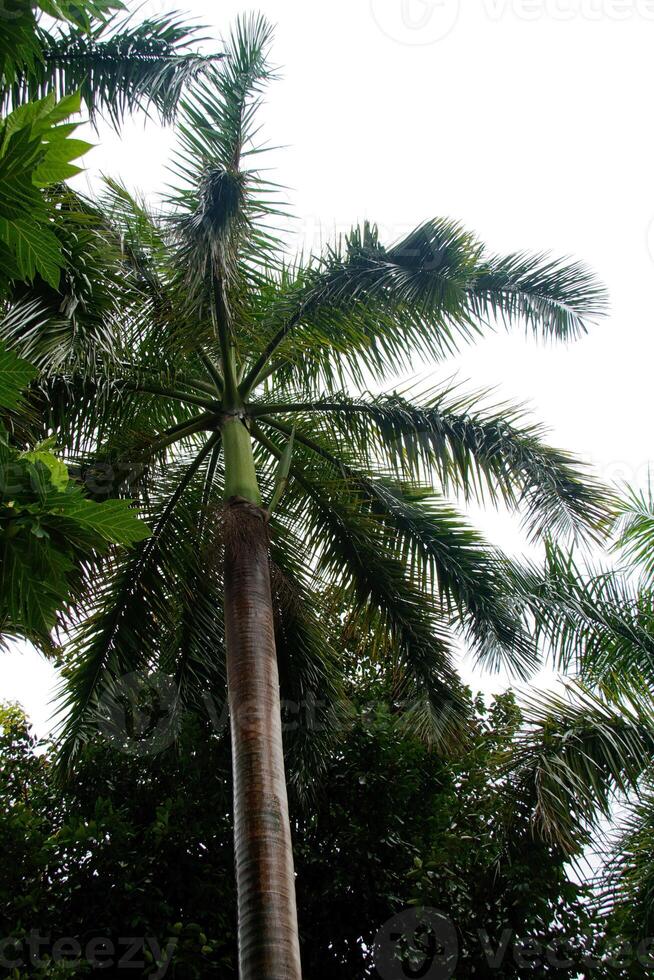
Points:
(225, 387)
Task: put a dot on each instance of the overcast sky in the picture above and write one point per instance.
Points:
(529, 121)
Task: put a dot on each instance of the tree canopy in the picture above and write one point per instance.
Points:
(392, 825)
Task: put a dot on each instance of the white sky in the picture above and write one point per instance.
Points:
(530, 121)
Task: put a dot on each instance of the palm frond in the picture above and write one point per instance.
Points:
(20, 42)
(578, 751)
(130, 610)
(595, 622)
(417, 300)
(553, 297)
(441, 553)
(118, 66)
(218, 205)
(627, 896)
(354, 552)
(635, 532)
(479, 451)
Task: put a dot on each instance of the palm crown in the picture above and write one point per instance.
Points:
(204, 318)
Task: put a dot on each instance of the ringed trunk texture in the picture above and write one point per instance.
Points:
(267, 915)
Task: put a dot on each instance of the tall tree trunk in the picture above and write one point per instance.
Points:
(267, 915)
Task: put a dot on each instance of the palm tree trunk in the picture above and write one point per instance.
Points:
(267, 915)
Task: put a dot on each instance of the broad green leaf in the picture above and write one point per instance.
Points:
(15, 375)
(114, 521)
(52, 173)
(56, 164)
(36, 248)
(34, 583)
(58, 472)
(70, 105)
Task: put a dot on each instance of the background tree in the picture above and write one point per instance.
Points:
(383, 831)
(254, 368)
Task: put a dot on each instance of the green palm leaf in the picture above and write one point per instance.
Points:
(582, 751)
(483, 453)
(417, 300)
(117, 65)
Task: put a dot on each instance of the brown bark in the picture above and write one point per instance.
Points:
(268, 935)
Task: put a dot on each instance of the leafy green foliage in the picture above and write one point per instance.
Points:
(581, 754)
(20, 42)
(15, 374)
(35, 152)
(49, 527)
(154, 832)
(87, 59)
(591, 751)
(628, 895)
(635, 532)
(486, 841)
(596, 623)
(393, 824)
(118, 66)
(483, 453)
(369, 307)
